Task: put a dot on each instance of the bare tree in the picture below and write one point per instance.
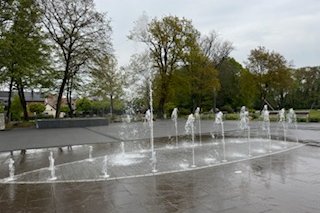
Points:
(215, 49)
(78, 33)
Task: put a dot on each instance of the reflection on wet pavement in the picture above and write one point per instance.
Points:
(286, 182)
(132, 159)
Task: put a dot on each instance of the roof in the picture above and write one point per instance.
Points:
(29, 96)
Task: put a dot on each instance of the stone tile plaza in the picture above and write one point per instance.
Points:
(101, 169)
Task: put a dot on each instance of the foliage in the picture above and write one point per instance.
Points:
(232, 116)
(305, 92)
(1, 107)
(227, 108)
(65, 109)
(37, 108)
(23, 53)
(272, 76)
(16, 109)
(106, 80)
(248, 92)
(169, 41)
(314, 116)
(84, 105)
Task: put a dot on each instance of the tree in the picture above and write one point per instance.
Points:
(215, 49)
(83, 105)
(106, 80)
(229, 75)
(16, 108)
(247, 92)
(23, 49)
(137, 83)
(169, 41)
(272, 75)
(37, 108)
(305, 92)
(203, 79)
(78, 33)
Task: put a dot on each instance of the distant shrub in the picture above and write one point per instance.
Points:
(1, 108)
(227, 108)
(37, 108)
(314, 116)
(232, 116)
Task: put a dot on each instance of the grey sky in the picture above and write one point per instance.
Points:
(290, 27)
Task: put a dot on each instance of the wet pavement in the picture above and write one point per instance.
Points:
(282, 182)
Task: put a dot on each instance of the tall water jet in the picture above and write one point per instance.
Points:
(123, 151)
(266, 123)
(198, 118)
(219, 120)
(105, 167)
(51, 167)
(292, 121)
(153, 154)
(51, 161)
(11, 170)
(244, 125)
(154, 162)
(90, 154)
(189, 127)
(282, 121)
(174, 118)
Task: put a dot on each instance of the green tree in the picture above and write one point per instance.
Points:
(169, 41)
(84, 105)
(106, 80)
(305, 92)
(16, 108)
(23, 50)
(247, 93)
(78, 34)
(272, 75)
(37, 108)
(229, 75)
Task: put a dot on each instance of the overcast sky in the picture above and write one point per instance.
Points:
(289, 27)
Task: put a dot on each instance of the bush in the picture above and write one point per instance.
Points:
(1, 108)
(314, 116)
(37, 108)
(227, 108)
(233, 116)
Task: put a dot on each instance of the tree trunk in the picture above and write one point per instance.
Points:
(69, 98)
(61, 90)
(111, 105)
(23, 101)
(9, 101)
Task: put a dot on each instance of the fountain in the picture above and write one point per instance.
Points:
(219, 120)
(198, 118)
(266, 123)
(174, 117)
(105, 167)
(51, 161)
(244, 125)
(282, 121)
(11, 170)
(292, 121)
(90, 154)
(51, 167)
(189, 127)
(150, 121)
